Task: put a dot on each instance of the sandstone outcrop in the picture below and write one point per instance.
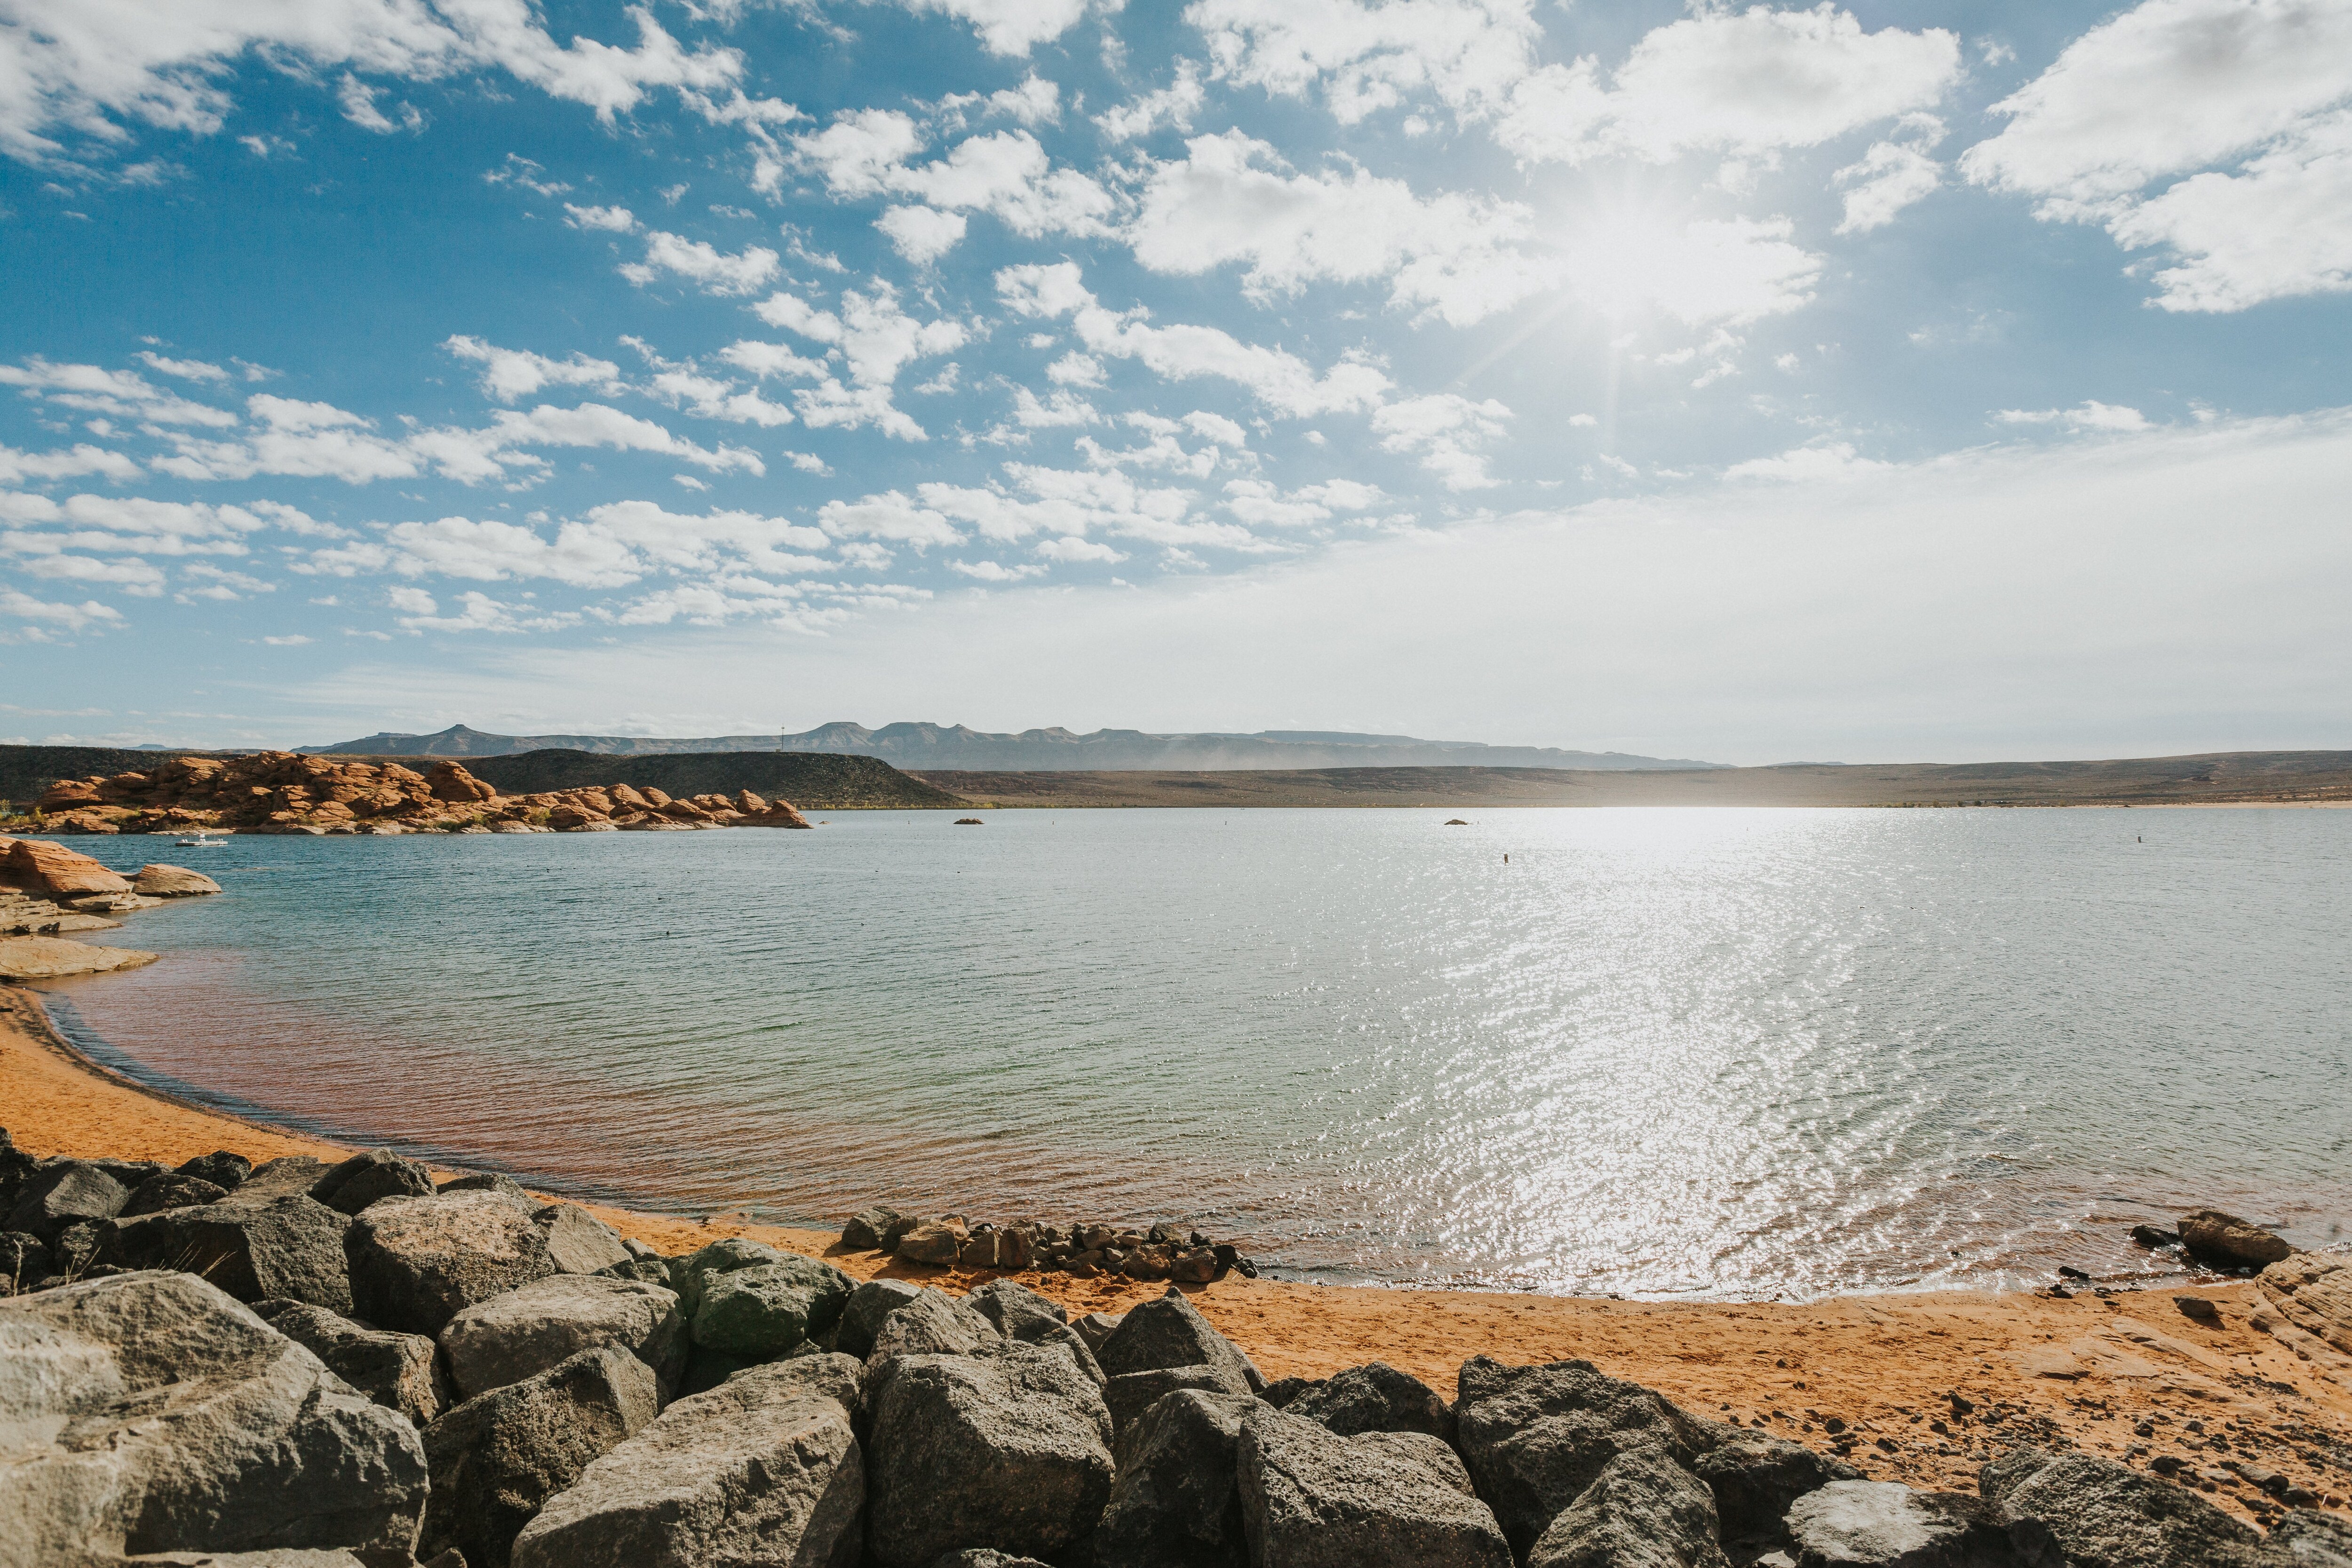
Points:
(288, 792)
(161, 881)
(54, 957)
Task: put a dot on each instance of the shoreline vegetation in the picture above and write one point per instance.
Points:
(65, 789)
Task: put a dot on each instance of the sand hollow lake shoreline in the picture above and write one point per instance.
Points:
(2127, 1376)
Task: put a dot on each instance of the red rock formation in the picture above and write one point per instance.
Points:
(52, 870)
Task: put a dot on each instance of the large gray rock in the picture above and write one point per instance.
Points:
(496, 1182)
(2308, 1539)
(2105, 1515)
(876, 1229)
(862, 1314)
(524, 1333)
(1170, 1332)
(2225, 1241)
(691, 1275)
(1884, 1524)
(1374, 1398)
(258, 1244)
(934, 1323)
(222, 1167)
(1756, 1476)
(280, 1178)
(1535, 1437)
(578, 1242)
(417, 1262)
(764, 1469)
(65, 1192)
(1174, 1503)
(1311, 1499)
(1018, 1312)
(497, 1459)
(932, 1241)
(363, 1179)
(1011, 1452)
(399, 1371)
(170, 1191)
(1129, 1395)
(765, 1311)
(1643, 1510)
(982, 1557)
(149, 1412)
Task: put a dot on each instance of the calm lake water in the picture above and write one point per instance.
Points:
(1703, 1053)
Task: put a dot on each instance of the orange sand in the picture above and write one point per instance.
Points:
(2089, 1367)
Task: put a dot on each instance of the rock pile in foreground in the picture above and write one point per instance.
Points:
(289, 791)
(349, 1366)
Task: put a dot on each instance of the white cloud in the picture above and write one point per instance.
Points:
(1075, 369)
(1173, 105)
(1061, 408)
(611, 220)
(890, 516)
(714, 269)
(1073, 503)
(2186, 86)
(1744, 83)
(85, 67)
(1889, 177)
(876, 339)
(128, 574)
(97, 390)
(45, 615)
(1732, 272)
(2091, 415)
(1808, 464)
(1444, 430)
(510, 373)
(1281, 379)
(1010, 26)
(1230, 198)
(294, 639)
(1366, 57)
(358, 99)
(1264, 505)
(921, 234)
(1006, 174)
(477, 612)
(82, 459)
(996, 572)
(185, 369)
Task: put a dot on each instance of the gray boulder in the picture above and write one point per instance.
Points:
(1170, 1332)
(1129, 1395)
(862, 1314)
(1535, 1437)
(149, 1412)
(1643, 1510)
(932, 1241)
(526, 1331)
(283, 1177)
(60, 1192)
(934, 1323)
(1011, 1452)
(691, 1274)
(399, 1371)
(497, 1459)
(258, 1244)
(578, 1242)
(223, 1168)
(170, 1191)
(416, 1263)
(1095, 1327)
(643, 1270)
(1884, 1524)
(2105, 1515)
(2225, 1241)
(982, 1557)
(764, 1312)
(876, 1229)
(2308, 1539)
(1174, 1503)
(503, 1185)
(1374, 1398)
(1756, 1476)
(1311, 1499)
(1018, 1312)
(363, 1179)
(764, 1469)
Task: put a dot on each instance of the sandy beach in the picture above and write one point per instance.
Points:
(2090, 1368)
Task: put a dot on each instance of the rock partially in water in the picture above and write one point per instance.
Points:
(416, 1263)
(764, 1469)
(526, 1331)
(151, 1413)
(2224, 1241)
(1311, 1499)
(161, 881)
(497, 1458)
(399, 1371)
(28, 958)
(41, 867)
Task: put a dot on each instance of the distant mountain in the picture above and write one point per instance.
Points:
(953, 746)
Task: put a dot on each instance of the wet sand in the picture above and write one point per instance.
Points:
(2088, 1368)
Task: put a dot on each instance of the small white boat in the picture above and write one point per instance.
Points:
(200, 841)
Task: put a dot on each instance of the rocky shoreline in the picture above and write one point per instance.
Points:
(291, 792)
(309, 1364)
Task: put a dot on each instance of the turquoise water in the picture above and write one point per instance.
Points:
(1710, 1053)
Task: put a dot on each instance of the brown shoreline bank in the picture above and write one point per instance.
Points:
(2085, 1370)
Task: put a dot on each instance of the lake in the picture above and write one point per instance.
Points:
(1701, 1053)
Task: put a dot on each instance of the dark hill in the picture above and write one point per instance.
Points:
(26, 771)
(810, 781)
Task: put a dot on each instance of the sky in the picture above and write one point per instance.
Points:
(1888, 381)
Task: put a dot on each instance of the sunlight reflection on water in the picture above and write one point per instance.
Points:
(1679, 1052)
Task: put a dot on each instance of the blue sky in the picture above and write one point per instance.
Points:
(1884, 380)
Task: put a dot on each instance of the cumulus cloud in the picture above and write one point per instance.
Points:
(921, 234)
(1173, 105)
(1010, 27)
(1006, 174)
(1730, 271)
(714, 270)
(97, 390)
(48, 617)
(2244, 98)
(611, 220)
(82, 459)
(1278, 378)
(1232, 199)
(1890, 176)
(1036, 500)
(1804, 465)
(1445, 431)
(87, 67)
(185, 369)
(2091, 415)
(610, 546)
(876, 339)
(510, 373)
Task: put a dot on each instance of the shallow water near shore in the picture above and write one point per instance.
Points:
(1695, 1053)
